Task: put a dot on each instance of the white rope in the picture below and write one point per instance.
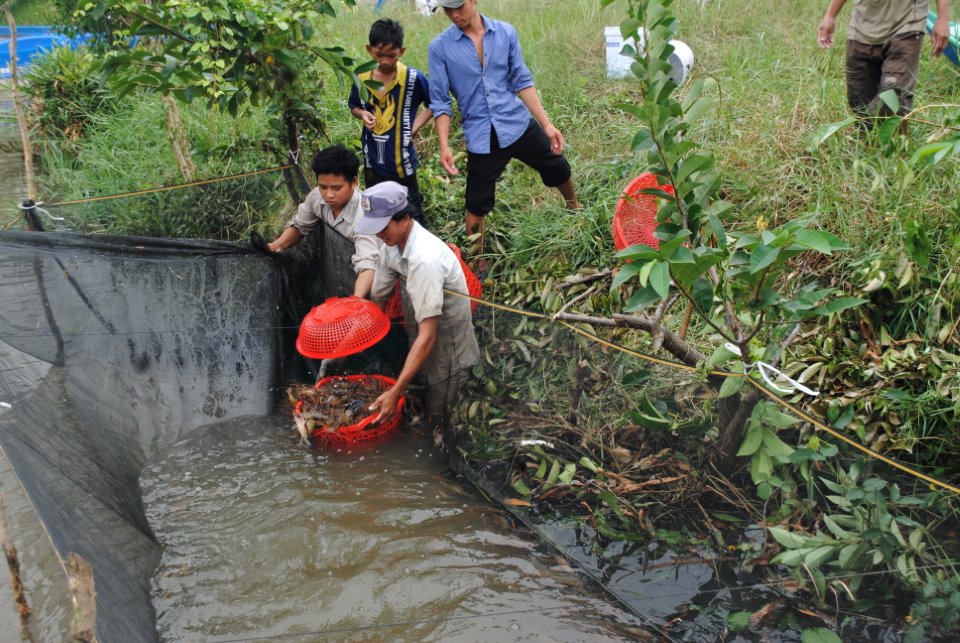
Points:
(766, 370)
(36, 206)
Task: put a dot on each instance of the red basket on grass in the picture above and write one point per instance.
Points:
(341, 326)
(635, 219)
(394, 308)
(364, 432)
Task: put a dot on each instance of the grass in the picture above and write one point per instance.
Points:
(33, 12)
(776, 88)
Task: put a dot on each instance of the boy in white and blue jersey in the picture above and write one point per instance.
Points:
(389, 114)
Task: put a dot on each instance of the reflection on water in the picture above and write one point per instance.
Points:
(264, 538)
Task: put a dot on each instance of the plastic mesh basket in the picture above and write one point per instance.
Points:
(363, 432)
(394, 308)
(341, 326)
(635, 219)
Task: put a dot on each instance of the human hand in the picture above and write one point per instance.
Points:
(825, 32)
(369, 120)
(274, 246)
(556, 139)
(446, 160)
(939, 36)
(386, 404)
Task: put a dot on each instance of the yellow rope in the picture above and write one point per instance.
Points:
(773, 396)
(170, 187)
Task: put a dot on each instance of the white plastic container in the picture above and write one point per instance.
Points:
(618, 65)
(681, 62)
(425, 7)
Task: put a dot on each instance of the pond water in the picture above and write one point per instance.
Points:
(265, 538)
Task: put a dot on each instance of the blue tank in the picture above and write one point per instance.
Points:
(32, 40)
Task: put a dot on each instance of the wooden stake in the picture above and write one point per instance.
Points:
(688, 313)
(17, 102)
(13, 562)
(84, 597)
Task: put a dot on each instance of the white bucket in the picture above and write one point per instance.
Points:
(425, 7)
(681, 62)
(618, 65)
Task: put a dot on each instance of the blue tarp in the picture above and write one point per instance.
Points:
(32, 41)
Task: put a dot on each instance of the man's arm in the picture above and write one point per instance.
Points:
(363, 284)
(829, 23)
(940, 35)
(441, 104)
(419, 352)
(442, 124)
(531, 99)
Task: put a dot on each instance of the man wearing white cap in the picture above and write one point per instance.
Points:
(443, 345)
(480, 62)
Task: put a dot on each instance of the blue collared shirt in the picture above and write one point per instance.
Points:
(487, 94)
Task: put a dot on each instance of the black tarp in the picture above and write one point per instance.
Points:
(113, 346)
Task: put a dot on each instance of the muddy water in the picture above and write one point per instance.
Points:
(264, 538)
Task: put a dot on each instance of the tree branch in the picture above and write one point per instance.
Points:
(672, 343)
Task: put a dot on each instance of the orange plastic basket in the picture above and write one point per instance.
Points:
(394, 308)
(341, 326)
(363, 432)
(635, 219)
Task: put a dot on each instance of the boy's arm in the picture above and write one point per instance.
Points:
(289, 237)
(420, 121)
(829, 23)
(356, 108)
(369, 120)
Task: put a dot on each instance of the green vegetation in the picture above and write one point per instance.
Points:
(814, 225)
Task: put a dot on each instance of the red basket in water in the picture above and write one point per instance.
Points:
(363, 432)
(394, 309)
(341, 326)
(635, 219)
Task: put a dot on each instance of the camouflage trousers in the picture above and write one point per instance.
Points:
(873, 69)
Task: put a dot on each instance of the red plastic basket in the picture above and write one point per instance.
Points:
(394, 308)
(635, 219)
(363, 432)
(341, 326)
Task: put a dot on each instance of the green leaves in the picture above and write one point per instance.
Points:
(827, 131)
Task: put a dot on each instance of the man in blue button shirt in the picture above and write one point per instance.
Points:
(479, 61)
